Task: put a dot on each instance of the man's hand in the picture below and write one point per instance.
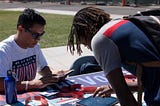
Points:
(37, 84)
(64, 73)
(103, 91)
(50, 79)
(46, 80)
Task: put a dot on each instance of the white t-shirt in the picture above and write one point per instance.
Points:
(24, 62)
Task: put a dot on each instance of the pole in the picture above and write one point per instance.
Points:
(68, 2)
(123, 2)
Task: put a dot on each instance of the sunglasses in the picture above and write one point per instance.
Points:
(35, 35)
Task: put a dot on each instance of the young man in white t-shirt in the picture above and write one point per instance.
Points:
(21, 54)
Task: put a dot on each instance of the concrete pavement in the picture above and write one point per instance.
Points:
(60, 58)
(119, 10)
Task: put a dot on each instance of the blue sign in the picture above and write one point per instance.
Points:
(91, 79)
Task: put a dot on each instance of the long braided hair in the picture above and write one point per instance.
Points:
(86, 24)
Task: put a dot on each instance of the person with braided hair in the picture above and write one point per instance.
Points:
(114, 43)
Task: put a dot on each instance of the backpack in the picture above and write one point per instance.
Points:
(149, 22)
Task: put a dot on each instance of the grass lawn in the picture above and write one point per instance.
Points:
(57, 28)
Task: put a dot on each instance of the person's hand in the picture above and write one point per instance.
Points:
(37, 84)
(103, 91)
(64, 73)
(54, 78)
(50, 79)
(45, 80)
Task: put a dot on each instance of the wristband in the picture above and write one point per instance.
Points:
(26, 85)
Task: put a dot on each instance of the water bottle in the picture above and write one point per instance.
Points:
(10, 88)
